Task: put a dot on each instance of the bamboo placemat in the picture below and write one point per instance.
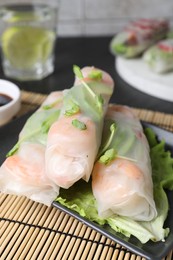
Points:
(30, 230)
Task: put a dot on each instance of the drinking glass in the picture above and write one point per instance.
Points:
(28, 32)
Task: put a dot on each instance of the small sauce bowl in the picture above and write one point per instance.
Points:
(10, 101)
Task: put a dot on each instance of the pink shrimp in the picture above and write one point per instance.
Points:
(28, 165)
(120, 109)
(66, 161)
(118, 188)
(124, 186)
(23, 173)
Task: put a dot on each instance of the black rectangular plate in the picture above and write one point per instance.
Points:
(150, 250)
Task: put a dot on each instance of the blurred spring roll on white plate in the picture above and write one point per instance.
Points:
(23, 172)
(159, 57)
(122, 177)
(138, 36)
(74, 139)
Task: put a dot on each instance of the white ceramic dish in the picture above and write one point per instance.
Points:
(10, 109)
(137, 74)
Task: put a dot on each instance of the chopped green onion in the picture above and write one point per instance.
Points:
(96, 75)
(78, 124)
(108, 156)
(73, 108)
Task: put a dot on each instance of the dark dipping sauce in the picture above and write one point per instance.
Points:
(4, 99)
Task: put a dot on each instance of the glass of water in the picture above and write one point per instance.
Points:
(28, 32)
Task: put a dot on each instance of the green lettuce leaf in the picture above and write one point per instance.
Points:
(162, 163)
(80, 198)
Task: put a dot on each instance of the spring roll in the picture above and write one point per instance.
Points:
(138, 36)
(122, 178)
(159, 57)
(23, 172)
(74, 139)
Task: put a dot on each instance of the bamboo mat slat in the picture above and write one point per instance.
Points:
(30, 230)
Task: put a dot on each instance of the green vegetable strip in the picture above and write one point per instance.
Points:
(115, 139)
(37, 126)
(93, 75)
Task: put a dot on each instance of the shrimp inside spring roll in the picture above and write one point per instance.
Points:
(122, 177)
(23, 172)
(74, 140)
(75, 151)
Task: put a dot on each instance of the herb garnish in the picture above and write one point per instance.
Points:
(98, 98)
(96, 75)
(73, 108)
(108, 142)
(108, 156)
(78, 124)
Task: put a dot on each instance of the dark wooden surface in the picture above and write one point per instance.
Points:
(85, 52)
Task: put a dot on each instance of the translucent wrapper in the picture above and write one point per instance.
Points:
(160, 56)
(23, 172)
(122, 177)
(138, 36)
(74, 139)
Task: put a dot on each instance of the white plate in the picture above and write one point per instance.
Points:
(137, 74)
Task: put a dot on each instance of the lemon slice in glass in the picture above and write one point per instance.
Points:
(26, 46)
